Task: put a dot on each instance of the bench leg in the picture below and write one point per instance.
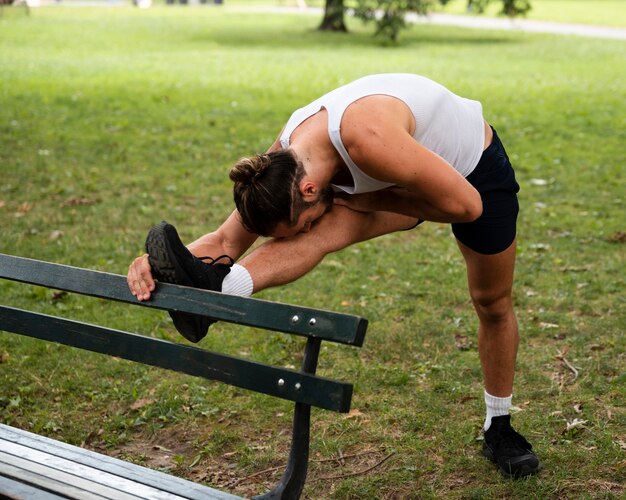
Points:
(293, 479)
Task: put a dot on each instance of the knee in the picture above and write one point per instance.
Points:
(493, 306)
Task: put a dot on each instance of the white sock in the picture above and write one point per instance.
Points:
(496, 407)
(238, 282)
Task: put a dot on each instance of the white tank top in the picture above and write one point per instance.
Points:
(446, 123)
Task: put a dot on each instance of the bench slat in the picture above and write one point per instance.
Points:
(80, 477)
(42, 481)
(16, 490)
(327, 325)
(66, 484)
(313, 390)
(79, 473)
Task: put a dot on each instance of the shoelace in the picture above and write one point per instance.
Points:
(213, 261)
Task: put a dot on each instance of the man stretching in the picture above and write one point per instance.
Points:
(378, 155)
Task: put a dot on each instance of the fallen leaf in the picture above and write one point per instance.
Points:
(4, 357)
(618, 237)
(55, 235)
(541, 247)
(575, 424)
(76, 200)
(462, 342)
(24, 208)
(140, 403)
(465, 399)
(545, 325)
(354, 414)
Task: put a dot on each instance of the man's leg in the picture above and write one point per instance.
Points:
(282, 261)
(490, 281)
(277, 262)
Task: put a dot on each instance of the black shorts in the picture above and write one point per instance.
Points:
(494, 179)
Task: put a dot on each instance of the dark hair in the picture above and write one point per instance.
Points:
(267, 190)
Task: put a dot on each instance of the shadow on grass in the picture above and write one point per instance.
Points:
(298, 35)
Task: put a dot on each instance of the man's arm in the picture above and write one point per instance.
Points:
(377, 135)
(231, 239)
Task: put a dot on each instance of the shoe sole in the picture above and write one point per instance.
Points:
(525, 470)
(191, 326)
(160, 251)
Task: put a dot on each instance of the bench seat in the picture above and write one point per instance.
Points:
(33, 466)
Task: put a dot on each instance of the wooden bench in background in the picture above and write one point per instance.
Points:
(33, 466)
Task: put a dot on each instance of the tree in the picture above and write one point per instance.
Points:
(390, 15)
(333, 17)
(510, 8)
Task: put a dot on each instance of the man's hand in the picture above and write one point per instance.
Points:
(139, 278)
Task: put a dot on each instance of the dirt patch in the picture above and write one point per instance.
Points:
(165, 451)
(598, 486)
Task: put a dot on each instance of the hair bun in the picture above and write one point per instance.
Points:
(248, 170)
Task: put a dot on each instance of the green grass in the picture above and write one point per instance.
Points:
(600, 12)
(111, 119)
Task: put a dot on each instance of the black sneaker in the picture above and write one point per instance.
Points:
(507, 448)
(171, 262)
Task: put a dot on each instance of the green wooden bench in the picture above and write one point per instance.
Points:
(33, 466)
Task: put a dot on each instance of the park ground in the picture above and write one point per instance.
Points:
(112, 119)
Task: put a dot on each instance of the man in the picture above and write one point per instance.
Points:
(381, 154)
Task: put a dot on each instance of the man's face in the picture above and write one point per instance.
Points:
(307, 217)
(304, 223)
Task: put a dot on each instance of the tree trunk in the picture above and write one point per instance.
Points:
(333, 17)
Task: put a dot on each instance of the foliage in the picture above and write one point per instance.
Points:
(390, 15)
(510, 8)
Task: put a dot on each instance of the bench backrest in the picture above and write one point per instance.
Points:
(281, 382)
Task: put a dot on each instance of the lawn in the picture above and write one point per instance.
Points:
(112, 119)
(599, 12)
